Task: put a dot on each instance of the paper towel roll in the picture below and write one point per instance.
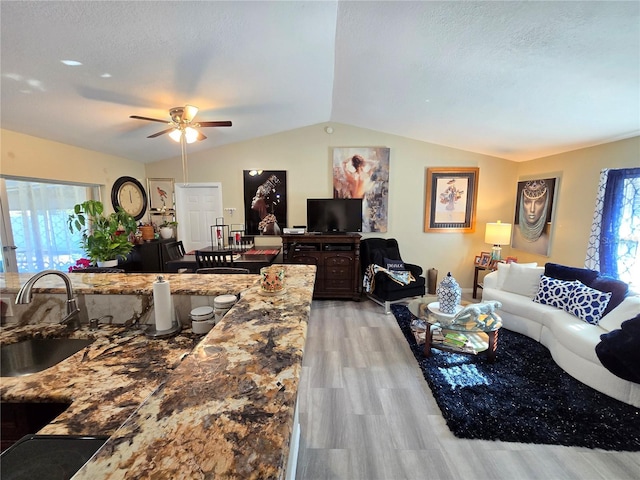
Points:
(162, 304)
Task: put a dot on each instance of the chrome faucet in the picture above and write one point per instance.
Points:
(71, 319)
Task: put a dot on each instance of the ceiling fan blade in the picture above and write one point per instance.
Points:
(160, 133)
(137, 117)
(224, 123)
(201, 136)
(189, 112)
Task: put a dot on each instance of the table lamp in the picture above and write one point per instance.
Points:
(497, 234)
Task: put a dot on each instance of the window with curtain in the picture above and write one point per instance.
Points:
(38, 213)
(614, 243)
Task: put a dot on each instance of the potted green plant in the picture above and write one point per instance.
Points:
(167, 229)
(104, 237)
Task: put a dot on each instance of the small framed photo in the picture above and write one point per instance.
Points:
(511, 259)
(477, 260)
(485, 259)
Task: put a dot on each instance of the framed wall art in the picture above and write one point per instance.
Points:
(533, 216)
(265, 201)
(363, 172)
(450, 202)
(161, 195)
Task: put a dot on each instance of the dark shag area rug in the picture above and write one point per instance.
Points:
(523, 397)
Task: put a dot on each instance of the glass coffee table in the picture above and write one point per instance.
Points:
(468, 335)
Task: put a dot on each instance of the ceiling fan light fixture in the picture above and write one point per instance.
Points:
(189, 113)
(191, 134)
(175, 135)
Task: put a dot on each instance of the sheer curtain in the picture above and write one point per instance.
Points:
(615, 232)
(38, 213)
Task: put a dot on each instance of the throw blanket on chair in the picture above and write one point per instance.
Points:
(619, 350)
(402, 277)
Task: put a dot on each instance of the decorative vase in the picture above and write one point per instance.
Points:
(166, 232)
(449, 294)
(147, 232)
(108, 263)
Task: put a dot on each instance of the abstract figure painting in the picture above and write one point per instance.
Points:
(450, 204)
(363, 172)
(265, 201)
(533, 216)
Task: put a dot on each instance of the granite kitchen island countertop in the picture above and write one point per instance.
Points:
(226, 410)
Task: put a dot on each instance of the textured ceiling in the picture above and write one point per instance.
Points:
(517, 80)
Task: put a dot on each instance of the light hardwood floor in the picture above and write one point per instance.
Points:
(367, 413)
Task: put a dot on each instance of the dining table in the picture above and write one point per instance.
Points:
(252, 259)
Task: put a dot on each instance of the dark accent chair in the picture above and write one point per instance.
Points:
(224, 270)
(386, 291)
(221, 258)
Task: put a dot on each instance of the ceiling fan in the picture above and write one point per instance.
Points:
(182, 129)
(182, 124)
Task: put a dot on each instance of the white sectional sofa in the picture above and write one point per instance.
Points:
(571, 341)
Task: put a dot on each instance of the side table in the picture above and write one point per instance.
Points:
(476, 284)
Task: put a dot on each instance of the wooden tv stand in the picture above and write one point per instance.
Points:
(337, 258)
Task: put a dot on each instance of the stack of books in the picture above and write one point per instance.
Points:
(454, 339)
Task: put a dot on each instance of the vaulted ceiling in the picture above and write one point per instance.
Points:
(517, 80)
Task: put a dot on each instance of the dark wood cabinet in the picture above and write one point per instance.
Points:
(337, 258)
(148, 257)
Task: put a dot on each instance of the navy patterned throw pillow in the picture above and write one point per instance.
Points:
(554, 292)
(587, 303)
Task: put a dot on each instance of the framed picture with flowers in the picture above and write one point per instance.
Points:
(450, 202)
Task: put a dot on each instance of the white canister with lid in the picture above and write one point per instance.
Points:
(222, 304)
(202, 319)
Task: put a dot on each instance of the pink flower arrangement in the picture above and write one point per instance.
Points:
(81, 264)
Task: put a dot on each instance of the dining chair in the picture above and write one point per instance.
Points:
(99, 270)
(220, 258)
(172, 250)
(224, 270)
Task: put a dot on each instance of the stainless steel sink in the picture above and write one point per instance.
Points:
(54, 457)
(37, 354)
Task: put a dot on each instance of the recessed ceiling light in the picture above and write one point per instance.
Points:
(71, 63)
(106, 75)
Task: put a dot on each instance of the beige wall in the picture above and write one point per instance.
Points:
(31, 157)
(579, 173)
(305, 154)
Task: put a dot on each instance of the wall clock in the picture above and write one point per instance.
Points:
(128, 193)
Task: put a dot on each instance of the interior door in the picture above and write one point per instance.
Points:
(198, 205)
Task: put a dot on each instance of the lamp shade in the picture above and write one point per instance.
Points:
(175, 134)
(498, 233)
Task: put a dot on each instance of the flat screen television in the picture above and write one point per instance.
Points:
(334, 215)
